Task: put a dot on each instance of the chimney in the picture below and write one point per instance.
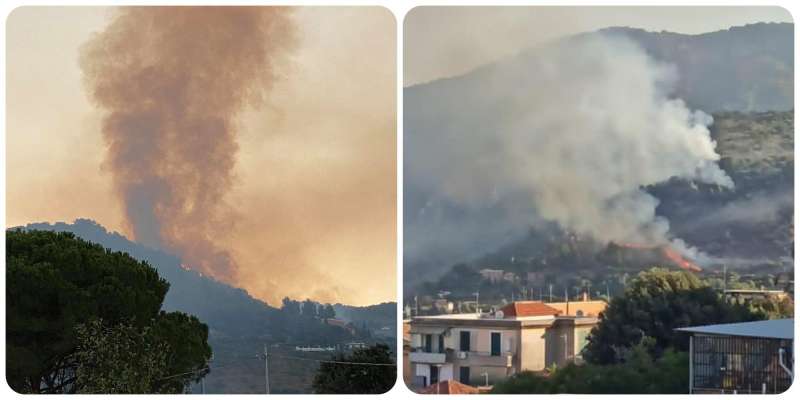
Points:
(585, 296)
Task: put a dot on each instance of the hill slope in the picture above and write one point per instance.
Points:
(745, 69)
(239, 324)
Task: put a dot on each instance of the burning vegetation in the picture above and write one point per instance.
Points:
(665, 252)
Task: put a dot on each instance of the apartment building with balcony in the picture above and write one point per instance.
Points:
(481, 349)
(492, 275)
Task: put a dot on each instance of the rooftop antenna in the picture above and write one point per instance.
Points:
(724, 277)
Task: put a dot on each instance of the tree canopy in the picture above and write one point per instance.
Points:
(635, 348)
(117, 359)
(639, 373)
(358, 379)
(655, 303)
(64, 293)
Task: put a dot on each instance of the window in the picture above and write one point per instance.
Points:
(416, 340)
(434, 374)
(464, 342)
(495, 343)
(582, 339)
(463, 375)
(441, 343)
(428, 343)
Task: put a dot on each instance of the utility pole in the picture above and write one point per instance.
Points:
(477, 304)
(203, 379)
(203, 385)
(266, 369)
(551, 292)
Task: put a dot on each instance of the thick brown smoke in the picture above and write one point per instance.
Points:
(172, 81)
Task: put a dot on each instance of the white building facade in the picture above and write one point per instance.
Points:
(481, 350)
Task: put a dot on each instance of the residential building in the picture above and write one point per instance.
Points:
(443, 306)
(449, 387)
(492, 275)
(585, 308)
(510, 277)
(750, 294)
(406, 350)
(341, 324)
(481, 349)
(535, 277)
(746, 357)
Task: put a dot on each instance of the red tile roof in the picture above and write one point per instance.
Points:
(528, 309)
(591, 308)
(449, 387)
(336, 322)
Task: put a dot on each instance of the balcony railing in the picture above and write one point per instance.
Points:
(485, 358)
(427, 358)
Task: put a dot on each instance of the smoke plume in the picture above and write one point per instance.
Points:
(570, 133)
(172, 81)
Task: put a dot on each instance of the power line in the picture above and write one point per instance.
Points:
(266, 371)
(335, 362)
(206, 369)
(183, 373)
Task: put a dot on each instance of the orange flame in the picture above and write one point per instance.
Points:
(667, 252)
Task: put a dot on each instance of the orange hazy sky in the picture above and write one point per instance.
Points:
(316, 168)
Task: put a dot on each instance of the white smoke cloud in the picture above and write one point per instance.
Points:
(578, 129)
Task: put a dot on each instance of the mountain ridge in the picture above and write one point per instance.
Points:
(784, 30)
(743, 69)
(185, 284)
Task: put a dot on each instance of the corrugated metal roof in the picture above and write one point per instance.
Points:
(774, 329)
